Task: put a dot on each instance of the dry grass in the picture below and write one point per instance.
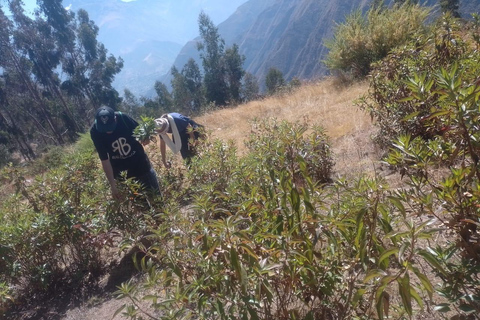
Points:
(322, 103)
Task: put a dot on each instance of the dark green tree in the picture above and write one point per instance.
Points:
(164, 97)
(38, 105)
(158, 105)
(181, 99)
(212, 49)
(274, 81)
(250, 87)
(42, 40)
(24, 93)
(450, 6)
(130, 104)
(187, 88)
(60, 21)
(193, 82)
(12, 136)
(234, 72)
(89, 68)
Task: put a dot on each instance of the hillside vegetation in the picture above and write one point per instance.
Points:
(326, 201)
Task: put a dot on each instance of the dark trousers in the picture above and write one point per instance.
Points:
(150, 181)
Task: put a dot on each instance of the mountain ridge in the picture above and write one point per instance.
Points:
(273, 36)
(289, 35)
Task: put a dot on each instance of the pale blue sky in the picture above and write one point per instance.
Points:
(33, 3)
(30, 4)
(172, 22)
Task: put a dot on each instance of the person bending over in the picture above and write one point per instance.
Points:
(119, 150)
(183, 131)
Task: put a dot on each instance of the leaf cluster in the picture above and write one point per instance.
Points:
(145, 131)
(268, 236)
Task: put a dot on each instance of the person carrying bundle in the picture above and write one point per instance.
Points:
(184, 132)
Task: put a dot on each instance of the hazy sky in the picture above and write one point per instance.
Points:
(32, 3)
(151, 20)
(216, 15)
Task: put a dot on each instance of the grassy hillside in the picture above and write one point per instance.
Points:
(286, 212)
(323, 103)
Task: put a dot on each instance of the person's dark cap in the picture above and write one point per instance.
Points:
(105, 119)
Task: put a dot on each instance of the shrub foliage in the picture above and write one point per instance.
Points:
(366, 38)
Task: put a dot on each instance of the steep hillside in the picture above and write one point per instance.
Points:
(322, 103)
(288, 35)
(239, 23)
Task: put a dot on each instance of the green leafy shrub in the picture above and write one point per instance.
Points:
(274, 81)
(50, 230)
(5, 297)
(364, 39)
(214, 174)
(453, 198)
(276, 145)
(285, 246)
(425, 99)
(399, 99)
(135, 212)
(322, 253)
(84, 144)
(51, 157)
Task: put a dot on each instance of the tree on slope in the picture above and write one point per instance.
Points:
(187, 88)
(212, 49)
(274, 81)
(234, 72)
(38, 105)
(22, 92)
(250, 87)
(450, 6)
(89, 67)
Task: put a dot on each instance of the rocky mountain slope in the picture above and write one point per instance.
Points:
(288, 35)
(152, 36)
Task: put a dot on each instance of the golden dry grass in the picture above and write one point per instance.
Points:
(322, 103)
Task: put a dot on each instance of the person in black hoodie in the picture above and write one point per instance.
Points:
(119, 150)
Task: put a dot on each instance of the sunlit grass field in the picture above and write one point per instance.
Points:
(323, 103)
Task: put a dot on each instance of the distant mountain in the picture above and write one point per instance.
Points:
(152, 36)
(238, 24)
(148, 34)
(144, 65)
(288, 35)
(285, 34)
